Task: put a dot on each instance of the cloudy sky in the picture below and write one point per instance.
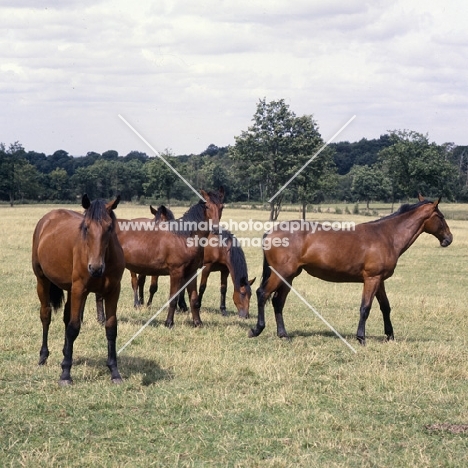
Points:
(190, 73)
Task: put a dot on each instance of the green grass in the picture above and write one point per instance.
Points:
(213, 397)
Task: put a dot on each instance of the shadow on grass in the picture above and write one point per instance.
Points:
(185, 319)
(130, 365)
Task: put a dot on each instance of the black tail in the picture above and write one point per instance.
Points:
(55, 296)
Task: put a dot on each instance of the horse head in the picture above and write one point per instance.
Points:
(97, 228)
(241, 296)
(436, 224)
(214, 207)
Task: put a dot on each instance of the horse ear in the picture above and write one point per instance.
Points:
(153, 211)
(252, 281)
(204, 195)
(436, 202)
(243, 281)
(163, 210)
(85, 201)
(420, 197)
(221, 192)
(113, 204)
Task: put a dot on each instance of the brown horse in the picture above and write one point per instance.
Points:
(222, 253)
(160, 214)
(79, 254)
(368, 255)
(173, 248)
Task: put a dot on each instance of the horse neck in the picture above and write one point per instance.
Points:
(238, 267)
(406, 228)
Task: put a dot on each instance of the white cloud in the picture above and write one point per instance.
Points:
(191, 73)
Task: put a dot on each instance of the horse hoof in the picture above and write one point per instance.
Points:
(224, 312)
(362, 341)
(65, 383)
(42, 361)
(198, 323)
(389, 338)
(253, 333)
(168, 324)
(117, 381)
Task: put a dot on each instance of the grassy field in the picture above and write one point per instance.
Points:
(214, 397)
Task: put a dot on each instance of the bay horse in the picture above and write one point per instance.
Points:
(137, 281)
(78, 254)
(223, 253)
(173, 248)
(368, 255)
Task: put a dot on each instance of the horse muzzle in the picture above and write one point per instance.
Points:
(446, 241)
(96, 272)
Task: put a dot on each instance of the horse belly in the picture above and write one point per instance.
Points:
(333, 275)
(54, 257)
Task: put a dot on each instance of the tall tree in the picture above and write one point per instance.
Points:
(370, 183)
(414, 165)
(274, 148)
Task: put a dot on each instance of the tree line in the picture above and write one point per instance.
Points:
(279, 149)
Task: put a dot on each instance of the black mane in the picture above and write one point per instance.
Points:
(97, 212)
(406, 208)
(195, 214)
(237, 257)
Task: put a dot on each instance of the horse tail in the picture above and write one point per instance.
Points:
(266, 268)
(55, 296)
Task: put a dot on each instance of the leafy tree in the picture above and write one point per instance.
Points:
(59, 184)
(274, 148)
(414, 165)
(18, 178)
(370, 183)
(160, 179)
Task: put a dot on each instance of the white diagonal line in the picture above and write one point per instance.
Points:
(313, 310)
(312, 158)
(159, 311)
(159, 156)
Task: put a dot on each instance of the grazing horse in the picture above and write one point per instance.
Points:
(173, 248)
(222, 253)
(79, 254)
(368, 255)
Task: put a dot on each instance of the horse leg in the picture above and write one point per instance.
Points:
(153, 289)
(141, 289)
(371, 285)
(194, 302)
(279, 298)
(73, 310)
(43, 287)
(181, 304)
(134, 281)
(204, 279)
(101, 318)
(263, 293)
(111, 333)
(223, 291)
(176, 277)
(385, 308)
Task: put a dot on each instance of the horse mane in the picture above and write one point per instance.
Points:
(406, 208)
(195, 214)
(97, 211)
(237, 257)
